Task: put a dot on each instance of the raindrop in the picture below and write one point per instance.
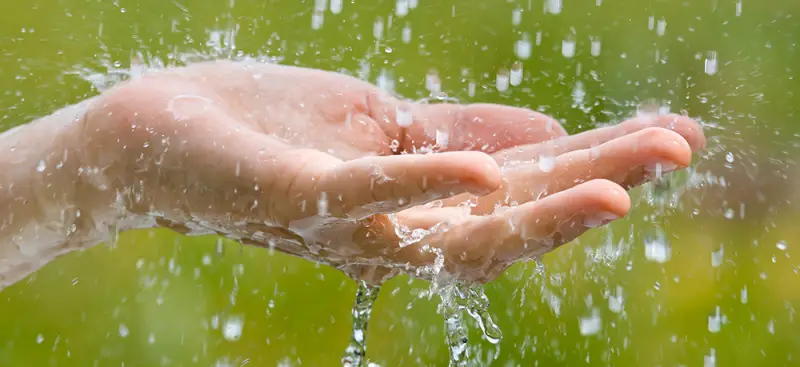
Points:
(412, 4)
(322, 205)
(717, 257)
(41, 166)
(591, 325)
(516, 16)
(547, 163)
(442, 138)
(317, 18)
(729, 157)
(578, 93)
(406, 35)
(401, 8)
(432, 82)
(661, 27)
(553, 6)
(596, 46)
(403, 115)
(123, 331)
(568, 48)
(739, 8)
(471, 89)
(232, 330)
(656, 248)
(39, 339)
(743, 295)
(377, 28)
(336, 6)
(715, 321)
(502, 80)
(710, 360)
(781, 245)
(522, 47)
(711, 63)
(516, 74)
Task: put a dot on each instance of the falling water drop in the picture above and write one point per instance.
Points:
(515, 77)
(406, 35)
(522, 47)
(432, 82)
(711, 63)
(516, 17)
(317, 18)
(403, 115)
(553, 6)
(597, 46)
(377, 28)
(568, 48)
(336, 6)
(356, 353)
(401, 8)
(502, 80)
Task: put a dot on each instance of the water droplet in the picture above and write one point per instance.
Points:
(516, 17)
(502, 80)
(403, 115)
(522, 47)
(596, 46)
(739, 8)
(336, 6)
(317, 18)
(781, 245)
(729, 157)
(591, 325)
(516, 74)
(232, 330)
(717, 257)
(41, 166)
(656, 248)
(123, 331)
(553, 6)
(322, 205)
(578, 93)
(710, 360)
(615, 302)
(442, 139)
(568, 48)
(39, 339)
(711, 63)
(547, 163)
(715, 321)
(743, 295)
(661, 27)
(406, 35)
(401, 8)
(432, 82)
(377, 28)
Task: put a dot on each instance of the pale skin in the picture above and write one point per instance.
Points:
(323, 166)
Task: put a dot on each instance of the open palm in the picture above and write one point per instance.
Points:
(331, 168)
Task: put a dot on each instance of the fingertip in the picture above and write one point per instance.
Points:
(688, 128)
(481, 174)
(603, 196)
(666, 144)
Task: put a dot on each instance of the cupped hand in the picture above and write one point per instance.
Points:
(331, 168)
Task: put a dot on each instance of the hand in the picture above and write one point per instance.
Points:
(330, 168)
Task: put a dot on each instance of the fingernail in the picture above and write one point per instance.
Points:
(599, 219)
(661, 167)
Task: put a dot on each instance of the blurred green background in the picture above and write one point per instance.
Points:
(156, 298)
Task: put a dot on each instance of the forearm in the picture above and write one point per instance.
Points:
(45, 209)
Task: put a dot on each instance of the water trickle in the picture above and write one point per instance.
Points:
(356, 353)
(457, 297)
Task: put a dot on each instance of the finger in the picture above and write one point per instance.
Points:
(374, 185)
(689, 129)
(627, 161)
(477, 246)
(452, 127)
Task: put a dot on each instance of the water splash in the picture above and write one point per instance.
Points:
(356, 353)
(457, 297)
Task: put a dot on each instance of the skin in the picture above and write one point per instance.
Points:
(323, 166)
